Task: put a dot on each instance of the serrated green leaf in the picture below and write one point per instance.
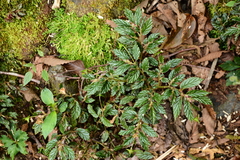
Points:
(91, 111)
(190, 82)
(127, 40)
(167, 93)
(105, 87)
(12, 150)
(145, 64)
(129, 140)
(153, 115)
(129, 14)
(63, 106)
(147, 26)
(133, 75)
(45, 75)
(115, 63)
(129, 130)
(174, 62)
(179, 78)
(47, 97)
(121, 69)
(125, 31)
(177, 106)
(104, 136)
(157, 98)
(106, 122)
(135, 51)
(188, 110)
(151, 38)
(69, 152)
(160, 109)
(63, 125)
(76, 111)
(53, 154)
(93, 88)
(152, 73)
(137, 85)
(203, 99)
(149, 130)
(128, 114)
(50, 145)
(229, 66)
(6, 141)
(49, 123)
(27, 78)
(143, 110)
(138, 17)
(144, 140)
(121, 23)
(144, 155)
(152, 48)
(83, 133)
(121, 54)
(89, 100)
(141, 101)
(173, 73)
(143, 93)
(197, 93)
(152, 61)
(126, 99)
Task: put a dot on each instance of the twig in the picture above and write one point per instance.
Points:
(19, 75)
(173, 54)
(210, 73)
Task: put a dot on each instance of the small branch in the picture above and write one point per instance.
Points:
(173, 54)
(19, 75)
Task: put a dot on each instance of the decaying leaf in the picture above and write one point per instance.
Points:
(52, 61)
(75, 67)
(29, 94)
(200, 71)
(192, 128)
(207, 151)
(210, 56)
(208, 121)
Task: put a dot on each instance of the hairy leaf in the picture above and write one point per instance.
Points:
(145, 64)
(203, 99)
(126, 132)
(76, 111)
(141, 101)
(129, 14)
(135, 51)
(144, 140)
(147, 26)
(188, 110)
(133, 75)
(91, 111)
(128, 114)
(106, 122)
(50, 145)
(121, 23)
(137, 85)
(124, 31)
(174, 62)
(149, 130)
(123, 68)
(144, 155)
(121, 54)
(142, 111)
(197, 93)
(69, 152)
(129, 140)
(126, 99)
(177, 106)
(190, 82)
(53, 154)
(83, 133)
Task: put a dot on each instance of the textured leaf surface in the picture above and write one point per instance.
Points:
(83, 133)
(190, 82)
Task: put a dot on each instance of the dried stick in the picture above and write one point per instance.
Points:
(19, 75)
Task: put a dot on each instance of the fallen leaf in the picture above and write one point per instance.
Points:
(208, 151)
(75, 67)
(200, 71)
(29, 94)
(220, 74)
(111, 23)
(210, 56)
(208, 121)
(52, 61)
(192, 128)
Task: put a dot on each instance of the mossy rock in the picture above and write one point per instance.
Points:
(107, 8)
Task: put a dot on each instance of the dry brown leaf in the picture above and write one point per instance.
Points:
(192, 128)
(75, 67)
(208, 151)
(200, 71)
(201, 27)
(52, 61)
(211, 111)
(209, 122)
(200, 8)
(158, 27)
(111, 23)
(220, 74)
(214, 47)
(168, 13)
(29, 94)
(210, 56)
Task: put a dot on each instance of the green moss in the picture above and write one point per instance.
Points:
(22, 26)
(85, 38)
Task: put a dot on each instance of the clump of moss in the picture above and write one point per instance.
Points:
(22, 26)
(85, 38)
